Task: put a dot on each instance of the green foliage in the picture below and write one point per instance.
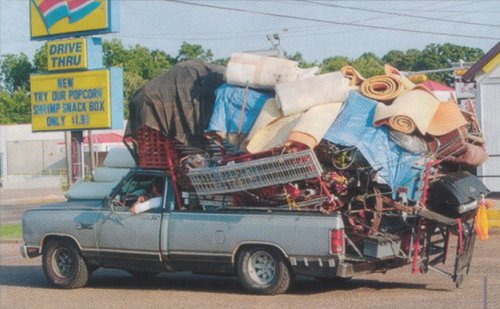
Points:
(40, 60)
(221, 61)
(300, 59)
(15, 107)
(368, 65)
(15, 71)
(194, 52)
(333, 64)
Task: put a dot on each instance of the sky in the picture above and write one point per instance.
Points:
(317, 29)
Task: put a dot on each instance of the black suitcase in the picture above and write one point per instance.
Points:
(455, 194)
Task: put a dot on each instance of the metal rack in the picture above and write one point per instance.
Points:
(255, 174)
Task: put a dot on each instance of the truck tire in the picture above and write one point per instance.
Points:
(263, 270)
(63, 265)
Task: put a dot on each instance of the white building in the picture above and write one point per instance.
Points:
(486, 73)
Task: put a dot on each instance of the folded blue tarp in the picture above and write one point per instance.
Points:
(228, 107)
(354, 127)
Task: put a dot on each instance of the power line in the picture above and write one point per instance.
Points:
(324, 21)
(399, 14)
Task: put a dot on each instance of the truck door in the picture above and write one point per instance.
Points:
(127, 240)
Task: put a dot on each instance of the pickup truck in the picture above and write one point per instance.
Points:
(266, 249)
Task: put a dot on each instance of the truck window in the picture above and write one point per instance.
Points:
(138, 189)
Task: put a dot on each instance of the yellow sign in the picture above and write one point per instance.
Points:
(59, 17)
(70, 101)
(67, 54)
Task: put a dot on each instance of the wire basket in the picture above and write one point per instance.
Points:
(256, 174)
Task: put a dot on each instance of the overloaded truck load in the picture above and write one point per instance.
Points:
(264, 134)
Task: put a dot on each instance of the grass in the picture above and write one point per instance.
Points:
(11, 231)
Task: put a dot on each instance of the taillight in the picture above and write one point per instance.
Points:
(337, 242)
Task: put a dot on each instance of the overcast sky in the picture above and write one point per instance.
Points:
(313, 29)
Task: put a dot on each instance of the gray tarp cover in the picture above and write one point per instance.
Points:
(178, 103)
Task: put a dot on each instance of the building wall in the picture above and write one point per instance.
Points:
(23, 152)
(488, 86)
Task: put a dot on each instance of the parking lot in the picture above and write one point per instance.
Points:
(22, 285)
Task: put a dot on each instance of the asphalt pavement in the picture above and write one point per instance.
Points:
(13, 202)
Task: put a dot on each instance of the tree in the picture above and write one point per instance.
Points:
(333, 64)
(15, 71)
(15, 107)
(300, 59)
(193, 52)
(40, 60)
(368, 65)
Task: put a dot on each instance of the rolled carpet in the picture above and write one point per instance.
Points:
(268, 114)
(273, 135)
(403, 124)
(405, 82)
(313, 124)
(298, 96)
(355, 79)
(383, 88)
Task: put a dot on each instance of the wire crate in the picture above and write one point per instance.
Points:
(256, 174)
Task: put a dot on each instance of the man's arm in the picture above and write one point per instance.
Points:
(141, 206)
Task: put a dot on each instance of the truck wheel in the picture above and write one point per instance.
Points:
(264, 271)
(64, 265)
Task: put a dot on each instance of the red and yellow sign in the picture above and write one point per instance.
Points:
(59, 17)
(69, 101)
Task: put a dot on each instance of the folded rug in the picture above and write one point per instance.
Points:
(313, 124)
(383, 88)
(447, 118)
(299, 96)
(355, 79)
(417, 104)
(263, 72)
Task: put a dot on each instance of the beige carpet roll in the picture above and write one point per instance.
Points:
(268, 114)
(405, 82)
(273, 135)
(417, 104)
(299, 96)
(313, 124)
(382, 88)
(402, 124)
(263, 72)
(349, 72)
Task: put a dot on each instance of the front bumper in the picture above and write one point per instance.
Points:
(29, 252)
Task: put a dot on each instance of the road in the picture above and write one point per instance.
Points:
(22, 285)
(13, 213)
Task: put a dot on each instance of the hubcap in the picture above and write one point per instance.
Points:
(261, 267)
(63, 262)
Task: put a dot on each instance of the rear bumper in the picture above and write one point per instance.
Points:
(29, 252)
(321, 267)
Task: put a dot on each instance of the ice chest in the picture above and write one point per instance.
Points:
(455, 194)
